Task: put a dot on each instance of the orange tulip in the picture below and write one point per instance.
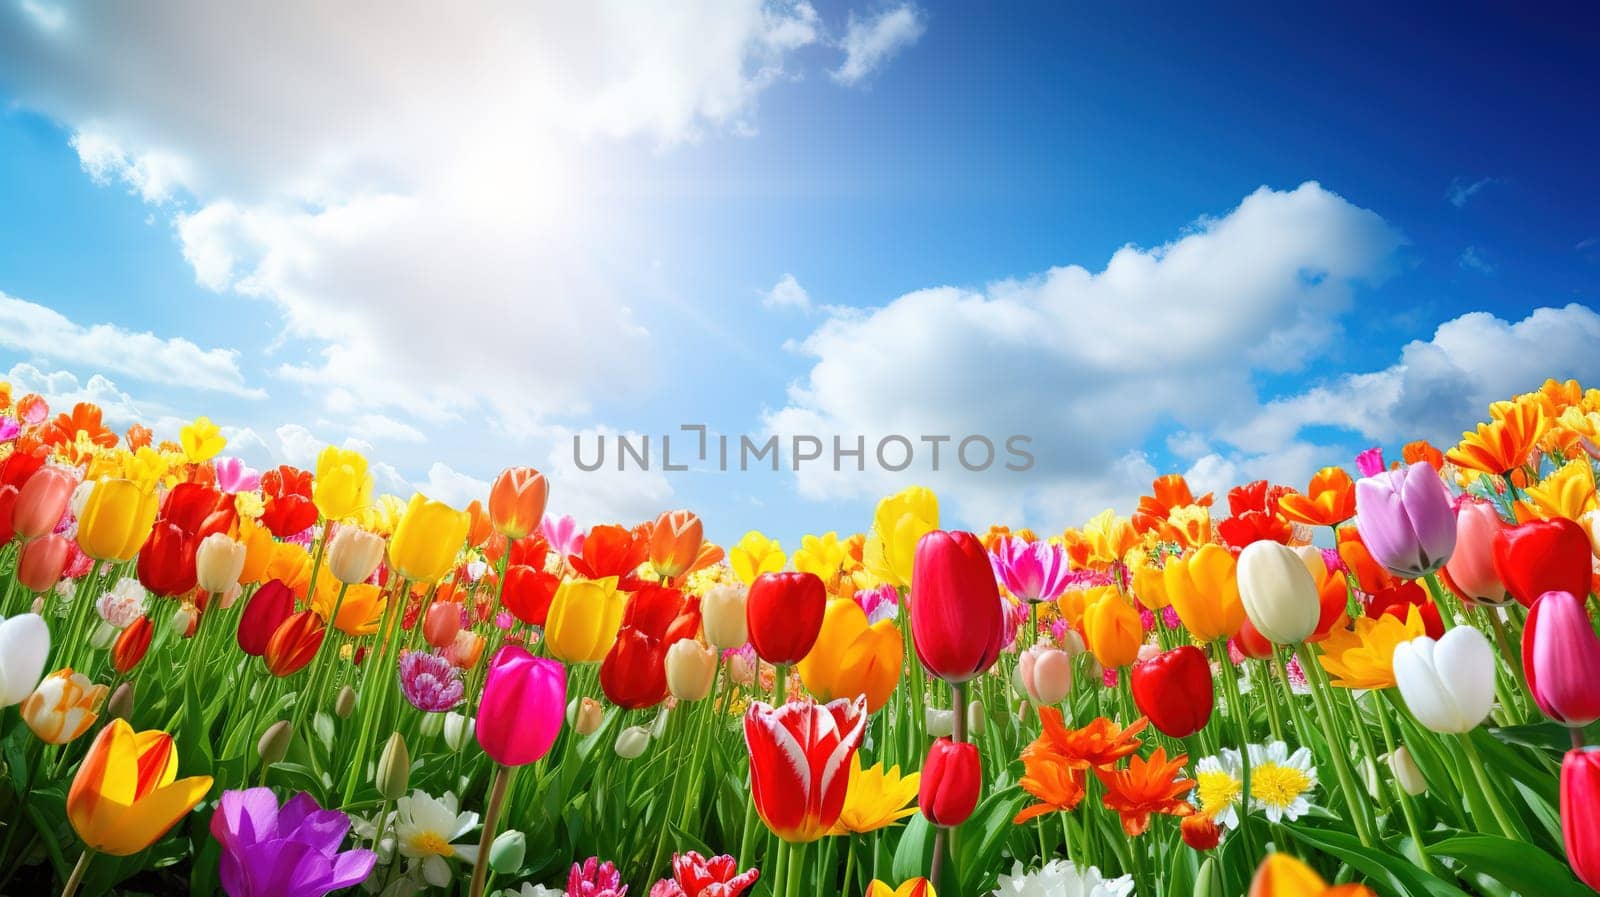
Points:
(1504, 442)
(1330, 500)
(1281, 875)
(675, 542)
(479, 527)
(1112, 630)
(294, 643)
(1205, 593)
(126, 794)
(517, 500)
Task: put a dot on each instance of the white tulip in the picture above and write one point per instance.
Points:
(1278, 592)
(24, 647)
(1448, 684)
(1407, 773)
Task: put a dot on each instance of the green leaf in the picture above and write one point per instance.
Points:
(982, 837)
(1388, 873)
(1513, 864)
(914, 854)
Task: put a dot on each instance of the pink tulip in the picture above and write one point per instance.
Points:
(524, 700)
(1580, 824)
(42, 501)
(41, 562)
(235, 476)
(1470, 570)
(1559, 655)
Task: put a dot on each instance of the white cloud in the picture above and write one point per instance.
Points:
(451, 486)
(605, 495)
(389, 177)
(1089, 363)
(63, 389)
(1472, 257)
(39, 332)
(384, 428)
(1462, 190)
(1439, 385)
(787, 293)
(870, 42)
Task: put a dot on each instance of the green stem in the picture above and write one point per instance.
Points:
(1501, 816)
(1341, 763)
(497, 800)
(76, 878)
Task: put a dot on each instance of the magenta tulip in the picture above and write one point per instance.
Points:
(524, 701)
(1560, 654)
(1580, 824)
(957, 620)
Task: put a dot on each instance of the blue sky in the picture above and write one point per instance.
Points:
(459, 243)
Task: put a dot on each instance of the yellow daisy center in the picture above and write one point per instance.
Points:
(1216, 790)
(432, 843)
(1277, 785)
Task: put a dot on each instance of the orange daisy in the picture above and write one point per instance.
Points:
(1046, 776)
(1504, 442)
(1147, 787)
(1100, 743)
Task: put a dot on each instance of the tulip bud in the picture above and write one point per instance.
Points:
(1045, 674)
(1072, 643)
(1407, 773)
(507, 852)
(184, 619)
(722, 611)
(741, 669)
(951, 780)
(957, 621)
(393, 775)
(274, 743)
(691, 670)
(345, 703)
(121, 704)
(458, 730)
(1560, 655)
(940, 723)
(432, 725)
(632, 741)
(1205, 883)
(218, 563)
(1279, 594)
(37, 607)
(131, 645)
(585, 715)
(974, 718)
(102, 637)
(353, 554)
(1200, 832)
(442, 623)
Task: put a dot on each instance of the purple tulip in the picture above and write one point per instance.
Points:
(1032, 571)
(1405, 520)
(288, 852)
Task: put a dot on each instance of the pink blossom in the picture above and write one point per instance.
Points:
(1370, 462)
(1031, 571)
(595, 879)
(429, 681)
(880, 603)
(9, 429)
(563, 534)
(235, 476)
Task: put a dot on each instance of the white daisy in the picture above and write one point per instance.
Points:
(1219, 787)
(1280, 781)
(426, 830)
(1060, 878)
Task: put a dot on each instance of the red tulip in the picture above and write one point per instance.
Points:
(18, 467)
(1397, 600)
(132, 644)
(951, 779)
(800, 757)
(166, 562)
(41, 502)
(524, 700)
(1174, 690)
(1560, 655)
(267, 609)
(294, 643)
(612, 551)
(634, 672)
(1580, 824)
(957, 621)
(199, 510)
(1200, 832)
(696, 876)
(1251, 643)
(1543, 556)
(528, 592)
(8, 504)
(42, 560)
(441, 624)
(289, 509)
(784, 612)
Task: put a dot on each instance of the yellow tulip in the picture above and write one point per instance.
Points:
(1568, 492)
(916, 887)
(754, 555)
(1205, 593)
(585, 615)
(853, 658)
(116, 520)
(147, 467)
(1150, 587)
(876, 799)
(126, 794)
(343, 486)
(427, 539)
(291, 565)
(823, 555)
(901, 520)
(1112, 630)
(201, 440)
(1109, 538)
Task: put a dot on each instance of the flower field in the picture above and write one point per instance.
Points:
(278, 684)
